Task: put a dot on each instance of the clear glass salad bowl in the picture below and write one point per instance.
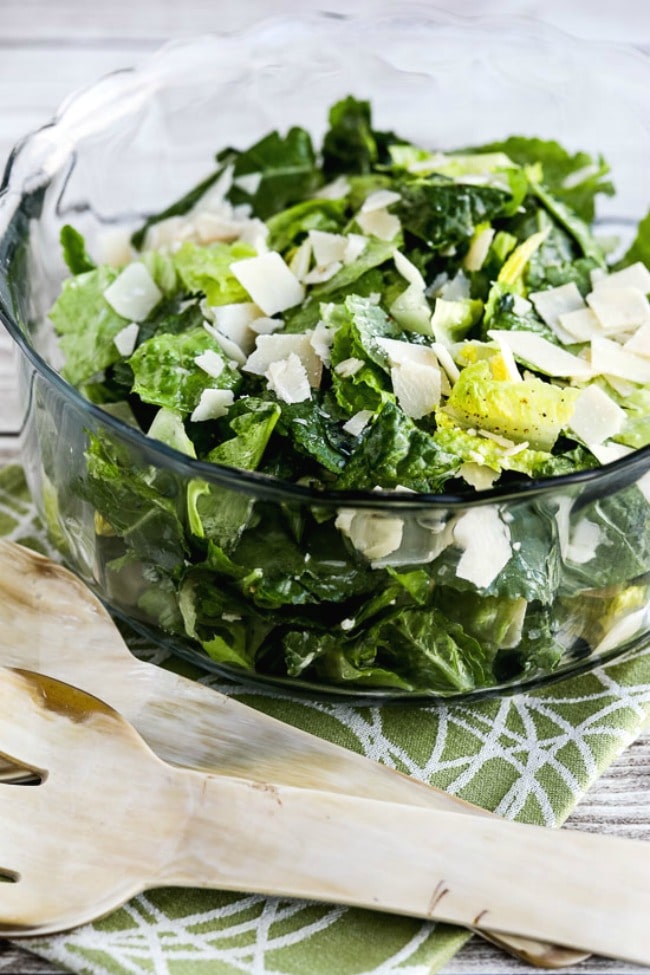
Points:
(572, 589)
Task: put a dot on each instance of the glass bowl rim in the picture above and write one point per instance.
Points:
(263, 485)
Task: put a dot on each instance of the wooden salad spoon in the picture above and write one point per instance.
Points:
(84, 840)
(52, 623)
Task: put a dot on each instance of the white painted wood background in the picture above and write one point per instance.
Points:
(49, 48)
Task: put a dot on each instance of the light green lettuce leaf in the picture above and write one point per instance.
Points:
(207, 270)
(87, 325)
(165, 372)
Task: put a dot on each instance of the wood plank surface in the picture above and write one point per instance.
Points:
(49, 48)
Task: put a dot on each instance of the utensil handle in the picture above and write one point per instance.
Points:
(581, 890)
(220, 732)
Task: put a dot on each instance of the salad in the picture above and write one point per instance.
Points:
(371, 315)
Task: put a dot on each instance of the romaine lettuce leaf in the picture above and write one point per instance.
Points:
(531, 410)
(165, 373)
(87, 325)
(139, 504)
(207, 270)
(287, 227)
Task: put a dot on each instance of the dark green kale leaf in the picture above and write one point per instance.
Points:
(314, 429)
(445, 214)
(556, 262)
(351, 145)
(75, 254)
(394, 452)
(289, 172)
(571, 222)
(621, 551)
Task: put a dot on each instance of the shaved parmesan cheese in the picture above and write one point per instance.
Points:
(542, 354)
(581, 325)
(301, 260)
(210, 362)
(417, 388)
(585, 538)
(230, 349)
(255, 232)
(335, 190)
(596, 417)
(640, 341)
(455, 289)
(379, 200)
(265, 326)
(623, 387)
(554, 302)
(125, 339)
(635, 276)
(358, 423)
(618, 309)
(327, 247)
(485, 543)
(321, 339)
(214, 403)
(356, 245)
(400, 353)
(273, 348)
(288, 379)
(134, 293)
(606, 453)
(373, 534)
(408, 270)
(478, 476)
(208, 227)
(319, 274)
(234, 322)
(248, 182)
(607, 357)
(165, 234)
(269, 282)
(349, 367)
(115, 247)
(478, 249)
(508, 363)
(379, 223)
(443, 356)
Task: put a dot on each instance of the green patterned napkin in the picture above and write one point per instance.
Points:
(528, 757)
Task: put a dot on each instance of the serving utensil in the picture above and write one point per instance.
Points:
(52, 623)
(83, 841)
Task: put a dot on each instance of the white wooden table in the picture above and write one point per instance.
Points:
(51, 47)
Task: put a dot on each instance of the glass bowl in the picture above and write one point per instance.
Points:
(303, 607)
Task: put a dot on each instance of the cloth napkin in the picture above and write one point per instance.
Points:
(528, 757)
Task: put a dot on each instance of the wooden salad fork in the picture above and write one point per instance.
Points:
(50, 622)
(83, 841)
